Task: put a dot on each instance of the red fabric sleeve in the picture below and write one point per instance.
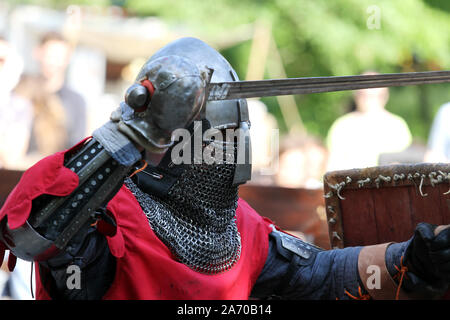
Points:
(48, 176)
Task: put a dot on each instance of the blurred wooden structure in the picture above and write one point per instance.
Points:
(295, 210)
(8, 180)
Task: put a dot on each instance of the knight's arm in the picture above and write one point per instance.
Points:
(296, 270)
(50, 215)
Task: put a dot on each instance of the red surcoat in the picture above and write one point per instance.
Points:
(146, 268)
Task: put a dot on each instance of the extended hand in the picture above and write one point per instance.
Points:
(428, 255)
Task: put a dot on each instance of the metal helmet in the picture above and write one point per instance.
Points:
(179, 74)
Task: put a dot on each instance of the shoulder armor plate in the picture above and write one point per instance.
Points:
(288, 244)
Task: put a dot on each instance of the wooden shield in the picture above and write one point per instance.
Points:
(383, 204)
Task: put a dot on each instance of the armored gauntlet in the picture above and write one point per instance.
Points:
(57, 199)
(415, 269)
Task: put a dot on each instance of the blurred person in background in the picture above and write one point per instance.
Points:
(357, 139)
(264, 129)
(15, 111)
(15, 129)
(59, 113)
(55, 120)
(302, 163)
(439, 139)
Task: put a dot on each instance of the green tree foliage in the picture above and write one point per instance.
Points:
(321, 38)
(327, 38)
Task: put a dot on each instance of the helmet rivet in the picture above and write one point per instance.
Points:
(137, 97)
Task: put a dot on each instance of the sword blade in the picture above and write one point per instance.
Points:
(293, 86)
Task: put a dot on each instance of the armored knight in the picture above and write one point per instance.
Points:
(141, 225)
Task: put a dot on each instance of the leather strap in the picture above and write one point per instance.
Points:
(375, 256)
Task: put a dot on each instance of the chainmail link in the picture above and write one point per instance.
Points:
(196, 220)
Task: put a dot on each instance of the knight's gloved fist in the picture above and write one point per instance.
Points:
(428, 255)
(168, 94)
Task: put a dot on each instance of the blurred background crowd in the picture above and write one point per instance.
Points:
(65, 65)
